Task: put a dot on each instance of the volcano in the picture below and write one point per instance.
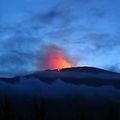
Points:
(76, 93)
(54, 57)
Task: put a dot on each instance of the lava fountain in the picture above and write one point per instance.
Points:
(54, 58)
(57, 60)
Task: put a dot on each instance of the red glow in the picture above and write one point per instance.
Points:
(54, 58)
(57, 60)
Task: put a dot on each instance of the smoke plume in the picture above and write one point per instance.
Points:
(53, 57)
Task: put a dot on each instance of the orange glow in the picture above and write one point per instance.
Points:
(53, 57)
(56, 60)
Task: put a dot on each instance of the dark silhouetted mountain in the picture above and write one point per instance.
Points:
(78, 93)
(80, 75)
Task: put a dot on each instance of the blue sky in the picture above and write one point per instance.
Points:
(86, 30)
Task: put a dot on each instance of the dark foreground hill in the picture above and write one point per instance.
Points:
(80, 93)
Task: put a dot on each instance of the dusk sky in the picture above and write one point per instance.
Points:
(87, 31)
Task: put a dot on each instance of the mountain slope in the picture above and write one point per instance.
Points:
(80, 75)
(82, 93)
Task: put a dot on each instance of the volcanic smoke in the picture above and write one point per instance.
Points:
(54, 58)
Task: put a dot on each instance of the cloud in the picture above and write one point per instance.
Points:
(18, 54)
(53, 57)
(114, 67)
(97, 12)
(58, 18)
(68, 23)
(101, 41)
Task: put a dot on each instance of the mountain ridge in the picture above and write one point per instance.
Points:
(76, 75)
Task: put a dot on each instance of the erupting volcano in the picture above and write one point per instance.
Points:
(57, 60)
(54, 58)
